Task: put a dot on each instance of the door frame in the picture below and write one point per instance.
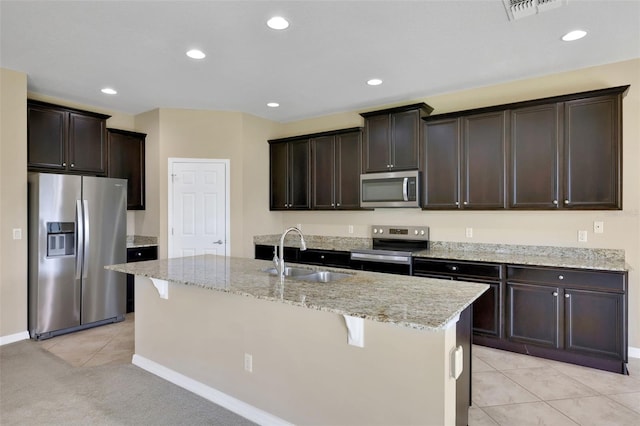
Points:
(227, 201)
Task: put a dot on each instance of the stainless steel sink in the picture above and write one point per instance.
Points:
(309, 275)
(291, 271)
(324, 276)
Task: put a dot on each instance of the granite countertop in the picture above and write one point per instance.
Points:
(138, 241)
(413, 302)
(560, 257)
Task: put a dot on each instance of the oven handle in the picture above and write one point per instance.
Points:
(368, 257)
(405, 189)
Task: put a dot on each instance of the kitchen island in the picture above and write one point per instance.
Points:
(279, 352)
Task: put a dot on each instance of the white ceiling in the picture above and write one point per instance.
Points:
(319, 65)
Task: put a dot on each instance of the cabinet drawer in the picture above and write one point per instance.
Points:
(608, 281)
(456, 268)
(142, 253)
(340, 259)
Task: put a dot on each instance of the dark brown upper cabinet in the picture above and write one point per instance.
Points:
(127, 161)
(392, 138)
(535, 156)
(593, 153)
(65, 140)
(563, 152)
(336, 166)
(289, 174)
(465, 164)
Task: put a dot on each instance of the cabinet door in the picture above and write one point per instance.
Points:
(535, 153)
(441, 177)
(405, 140)
(126, 161)
(592, 153)
(324, 172)
(87, 144)
(594, 323)
(487, 310)
(484, 148)
(299, 174)
(348, 169)
(377, 148)
(46, 136)
(278, 184)
(533, 314)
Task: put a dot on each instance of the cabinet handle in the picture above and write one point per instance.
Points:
(566, 296)
(561, 277)
(555, 294)
(555, 202)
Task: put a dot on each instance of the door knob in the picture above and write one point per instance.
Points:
(218, 242)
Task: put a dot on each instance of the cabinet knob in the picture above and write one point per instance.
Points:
(465, 203)
(555, 294)
(566, 201)
(138, 254)
(454, 268)
(322, 256)
(73, 165)
(333, 205)
(64, 164)
(457, 203)
(338, 204)
(561, 277)
(566, 296)
(555, 202)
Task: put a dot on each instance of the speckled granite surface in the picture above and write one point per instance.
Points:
(413, 302)
(565, 257)
(135, 241)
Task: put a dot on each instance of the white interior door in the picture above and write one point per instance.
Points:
(198, 207)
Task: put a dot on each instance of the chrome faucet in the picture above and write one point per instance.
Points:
(280, 262)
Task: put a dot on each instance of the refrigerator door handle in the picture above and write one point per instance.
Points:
(79, 239)
(85, 263)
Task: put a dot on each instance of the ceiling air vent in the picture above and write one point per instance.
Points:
(517, 9)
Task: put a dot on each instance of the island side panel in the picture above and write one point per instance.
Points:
(303, 369)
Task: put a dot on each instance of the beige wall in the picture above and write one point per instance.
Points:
(622, 228)
(13, 202)
(303, 369)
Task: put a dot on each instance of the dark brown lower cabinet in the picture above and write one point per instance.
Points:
(569, 315)
(137, 254)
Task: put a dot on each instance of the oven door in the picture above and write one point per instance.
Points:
(385, 261)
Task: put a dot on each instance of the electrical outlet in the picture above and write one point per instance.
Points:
(248, 363)
(582, 236)
(351, 229)
(598, 227)
(17, 233)
(469, 232)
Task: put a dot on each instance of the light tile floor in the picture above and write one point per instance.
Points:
(514, 389)
(508, 389)
(107, 344)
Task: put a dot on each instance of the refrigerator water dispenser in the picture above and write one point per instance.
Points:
(61, 237)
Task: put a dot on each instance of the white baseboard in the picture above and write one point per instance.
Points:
(227, 401)
(634, 352)
(5, 340)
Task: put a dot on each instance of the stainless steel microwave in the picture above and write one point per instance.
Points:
(390, 189)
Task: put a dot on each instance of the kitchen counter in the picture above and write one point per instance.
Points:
(292, 352)
(413, 302)
(138, 241)
(565, 257)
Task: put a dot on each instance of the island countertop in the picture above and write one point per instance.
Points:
(413, 302)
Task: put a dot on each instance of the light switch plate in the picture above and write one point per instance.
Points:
(17, 233)
(582, 236)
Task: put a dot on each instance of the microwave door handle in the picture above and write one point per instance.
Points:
(405, 188)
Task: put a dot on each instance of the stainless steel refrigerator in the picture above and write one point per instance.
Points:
(77, 225)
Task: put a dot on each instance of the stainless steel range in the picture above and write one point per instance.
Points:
(392, 249)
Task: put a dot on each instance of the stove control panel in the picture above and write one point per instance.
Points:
(400, 232)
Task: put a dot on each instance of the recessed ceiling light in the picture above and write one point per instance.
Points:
(109, 91)
(196, 54)
(574, 35)
(278, 23)
(374, 82)
(273, 105)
